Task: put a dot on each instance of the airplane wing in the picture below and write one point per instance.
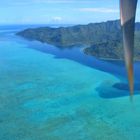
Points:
(127, 13)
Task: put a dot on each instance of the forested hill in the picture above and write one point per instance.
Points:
(103, 40)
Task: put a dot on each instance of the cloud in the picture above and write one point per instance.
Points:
(29, 2)
(63, 1)
(57, 19)
(99, 10)
(54, 1)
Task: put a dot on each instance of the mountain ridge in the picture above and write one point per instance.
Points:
(102, 40)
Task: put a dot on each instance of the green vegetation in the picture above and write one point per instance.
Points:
(103, 40)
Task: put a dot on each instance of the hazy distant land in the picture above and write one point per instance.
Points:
(102, 40)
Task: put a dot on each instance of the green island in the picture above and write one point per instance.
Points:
(102, 40)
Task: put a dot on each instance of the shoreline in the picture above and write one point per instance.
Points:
(83, 50)
(103, 58)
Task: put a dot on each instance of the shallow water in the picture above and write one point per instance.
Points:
(47, 93)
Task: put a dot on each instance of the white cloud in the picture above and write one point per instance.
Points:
(57, 19)
(54, 1)
(99, 10)
(28, 2)
(63, 1)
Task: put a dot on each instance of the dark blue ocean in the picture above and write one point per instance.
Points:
(48, 93)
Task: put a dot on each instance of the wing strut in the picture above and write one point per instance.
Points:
(127, 13)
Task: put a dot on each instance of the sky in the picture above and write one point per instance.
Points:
(59, 11)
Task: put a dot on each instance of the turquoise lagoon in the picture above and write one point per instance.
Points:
(47, 93)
